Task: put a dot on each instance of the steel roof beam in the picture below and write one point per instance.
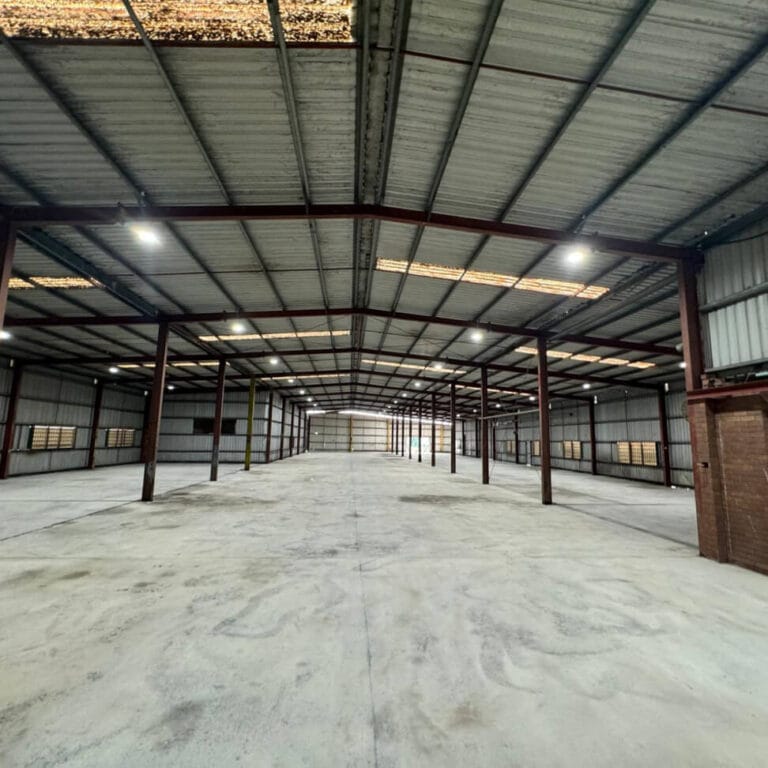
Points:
(119, 214)
(211, 317)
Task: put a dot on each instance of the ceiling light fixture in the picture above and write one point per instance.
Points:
(4, 335)
(586, 385)
(273, 361)
(146, 235)
(577, 254)
(114, 369)
(682, 364)
(477, 335)
(238, 327)
(171, 387)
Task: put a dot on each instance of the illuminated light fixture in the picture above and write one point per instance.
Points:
(171, 387)
(277, 335)
(309, 399)
(302, 391)
(417, 384)
(40, 281)
(682, 364)
(438, 365)
(291, 381)
(586, 385)
(273, 361)
(412, 367)
(477, 335)
(4, 335)
(474, 410)
(577, 254)
(456, 275)
(532, 398)
(114, 369)
(305, 376)
(490, 389)
(238, 327)
(316, 412)
(560, 355)
(498, 405)
(146, 235)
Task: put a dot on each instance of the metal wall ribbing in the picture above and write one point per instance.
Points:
(618, 417)
(735, 279)
(180, 409)
(53, 399)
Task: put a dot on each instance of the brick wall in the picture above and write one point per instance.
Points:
(730, 445)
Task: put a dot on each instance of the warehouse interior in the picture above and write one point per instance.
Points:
(383, 382)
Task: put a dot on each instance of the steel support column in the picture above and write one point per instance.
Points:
(95, 418)
(419, 417)
(517, 439)
(592, 438)
(394, 434)
(218, 415)
(664, 436)
(402, 431)
(410, 433)
(463, 438)
(268, 444)
(10, 421)
(249, 425)
(283, 409)
(546, 461)
(493, 442)
(484, 425)
(7, 249)
(307, 427)
(152, 436)
(453, 427)
(433, 436)
(145, 427)
(690, 325)
(290, 438)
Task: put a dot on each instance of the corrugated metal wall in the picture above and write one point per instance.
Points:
(178, 443)
(738, 333)
(57, 400)
(618, 417)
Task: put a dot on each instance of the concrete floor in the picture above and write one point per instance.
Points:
(361, 610)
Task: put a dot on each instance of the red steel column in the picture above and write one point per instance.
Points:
(268, 444)
(218, 415)
(546, 462)
(463, 438)
(453, 427)
(434, 447)
(517, 439)
(664, 435)
(290, 439)
(10, 421)
(95, 417)
(283, 409)
(419, 417)
(592, 438)
(249, 426)
(493, 442)
(484, 425)
(410, 433)
(690, 325)
(152, 436)
(7, 249)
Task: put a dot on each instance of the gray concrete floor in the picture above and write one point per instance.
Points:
(30, 502)
(361, 610)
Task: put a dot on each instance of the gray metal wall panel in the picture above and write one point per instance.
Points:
(737, 334)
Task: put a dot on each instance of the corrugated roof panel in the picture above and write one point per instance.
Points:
(610, 132)
(298, 289)
(421, 295)
(429, 93)
(447, 29)
(717, 149)
(324, 83)
(681, 46)
(505, 125)
(509, 257)
(235, 97)
(124, 99)
(551, 37)
(47, 149)
(446, 247)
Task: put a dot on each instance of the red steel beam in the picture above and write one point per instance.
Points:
(110, 214)
(214, 317)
